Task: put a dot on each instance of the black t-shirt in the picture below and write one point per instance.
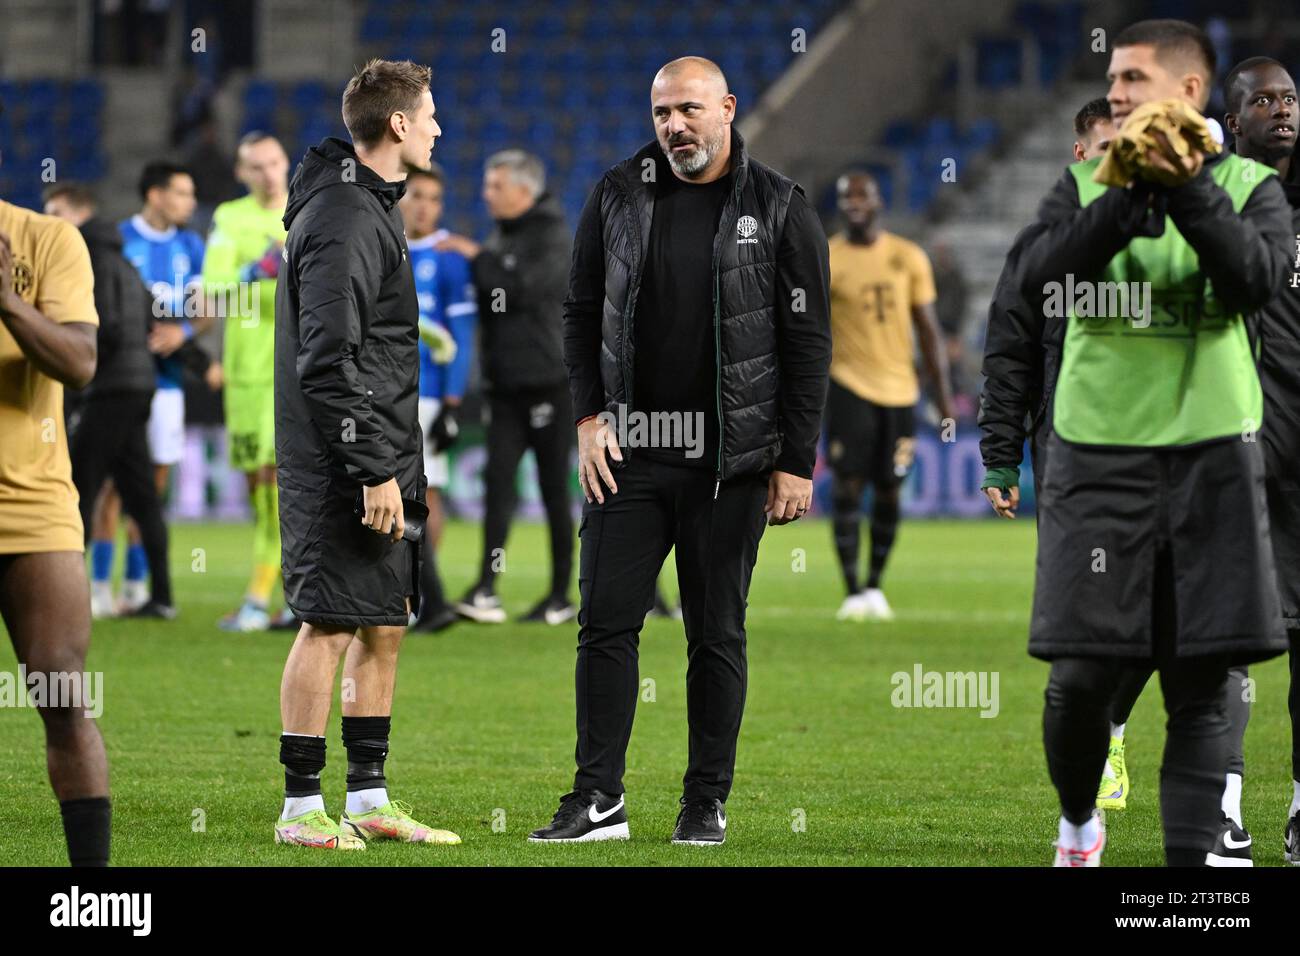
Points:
(676, 355)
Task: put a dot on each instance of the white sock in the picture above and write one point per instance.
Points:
(1117, 730)
(297, 806)
(363, 801)
(1232, 799)
(1079, 838)
(1295, 800)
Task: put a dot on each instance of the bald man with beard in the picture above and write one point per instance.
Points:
(697, 338)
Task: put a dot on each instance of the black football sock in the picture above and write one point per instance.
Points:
(304, 759)
(87, 825)
(366, 740)
(884, 528)
(1236, 704)
(845, 522)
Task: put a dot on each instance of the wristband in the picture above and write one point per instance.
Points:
(187, 327)
(1001, 478)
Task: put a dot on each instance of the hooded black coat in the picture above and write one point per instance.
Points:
(347, 368)
(1279, 375)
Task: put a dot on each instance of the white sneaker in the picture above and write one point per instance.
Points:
(246, 620)
(877, 608)
(483, 606)
(102, 604)
(1068, 856)
(854, 608)
(135, 595)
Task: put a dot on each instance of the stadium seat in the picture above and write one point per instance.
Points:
(543, 96)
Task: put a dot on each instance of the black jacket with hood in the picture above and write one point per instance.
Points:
(1279, 376)
(346, 390)
(522, 274)
(125, 308)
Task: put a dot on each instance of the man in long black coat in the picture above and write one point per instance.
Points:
(349, 451)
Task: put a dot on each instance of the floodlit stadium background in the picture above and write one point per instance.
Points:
(962, 110)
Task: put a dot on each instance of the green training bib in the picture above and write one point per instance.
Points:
(1171, 367)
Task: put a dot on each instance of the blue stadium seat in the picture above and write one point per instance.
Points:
(938, 132)
(574, 85)
(260, 97)
(308, 96)
(997, 62)
(375, 26)
(980, 134)
(40, 96)
(85, 96)
(898, 133)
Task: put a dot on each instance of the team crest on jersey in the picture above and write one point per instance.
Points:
(22, 278)
(746, 226)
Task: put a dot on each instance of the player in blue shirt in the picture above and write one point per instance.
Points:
(448, 312)
(170, 259)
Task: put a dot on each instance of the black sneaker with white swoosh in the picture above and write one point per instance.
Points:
(585, 816)
(1231, 847)
(702, 821)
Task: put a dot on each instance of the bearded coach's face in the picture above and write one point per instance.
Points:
(692, 116)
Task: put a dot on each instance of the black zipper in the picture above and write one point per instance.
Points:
(717, 330)
(629, 308)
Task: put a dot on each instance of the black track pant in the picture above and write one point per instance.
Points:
(539, 419)
(624, 543)
(1239, 703)
(1076, 731)
(1133, 679)
(111, 441)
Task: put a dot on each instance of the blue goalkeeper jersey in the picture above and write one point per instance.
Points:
(446, 295)
(170, 262)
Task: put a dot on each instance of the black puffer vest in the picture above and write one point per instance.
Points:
(744, 296)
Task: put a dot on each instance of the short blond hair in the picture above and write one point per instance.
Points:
(380, 89)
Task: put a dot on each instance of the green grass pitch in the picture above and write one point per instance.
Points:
(829, 771)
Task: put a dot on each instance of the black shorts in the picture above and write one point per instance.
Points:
(866, 440)
(1112, 520)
